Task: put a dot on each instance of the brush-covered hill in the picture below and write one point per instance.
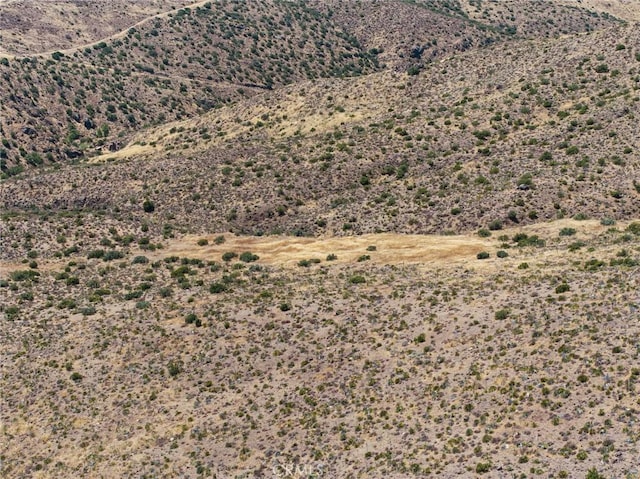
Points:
(65, 105)
(514, 134)
(30, 27)
(75, 103)
(319, 249)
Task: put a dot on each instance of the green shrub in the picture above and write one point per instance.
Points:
(248, 257)
(483, 255)
(140, 260)
(567, 232)
(483, 467)
(112, 254)
(634, 228)
(285, 307)
(502, 254)
(495, 225)
(24, 275)
(562, 288)
(484, 233)
(217, 288)
(148, 206)
(501, 314)
(357, 279)
(96, 253)
(203, 242)
(133, 295)
(331, 257)
(228, 256)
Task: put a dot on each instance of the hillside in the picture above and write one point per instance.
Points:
(80, 101)
(368, 239)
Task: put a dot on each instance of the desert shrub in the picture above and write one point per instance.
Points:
(562, 288)
(501, 314)
(634, 228)
(483, 467)
(495, 225)
(140, 260)
(203, 242)
(567, 232)
(148, 206)
(357, 279)
(502, 254)
(76, 377)
(228, 256)
(331, 257)
(217, 287)
(483, 255)
(190, 318)
(96, 253)
(607, 222)
(576, 245)
(112, 254)
(133, 295)
(364, 257)
(88, 311)
(285, 307)
(165, 292)
(248, 257)
(24, 275)
(484, 233)
(174, 367)
(594, 474)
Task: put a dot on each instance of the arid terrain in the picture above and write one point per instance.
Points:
(337, 239)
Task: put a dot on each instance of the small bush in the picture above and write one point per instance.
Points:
(148, 206)
(502, 254)
(24, 275)
(501, 314)
(216, 288)
(140, 260)
(357, 279)
(285, 307)
(96, 253)
(495, 225)
(483, 255)
(228, 256)
(567, 232)
(249, 257)
(112, 254)
(484, 233)
(203, 242)
(331, 257)
(562, 288)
